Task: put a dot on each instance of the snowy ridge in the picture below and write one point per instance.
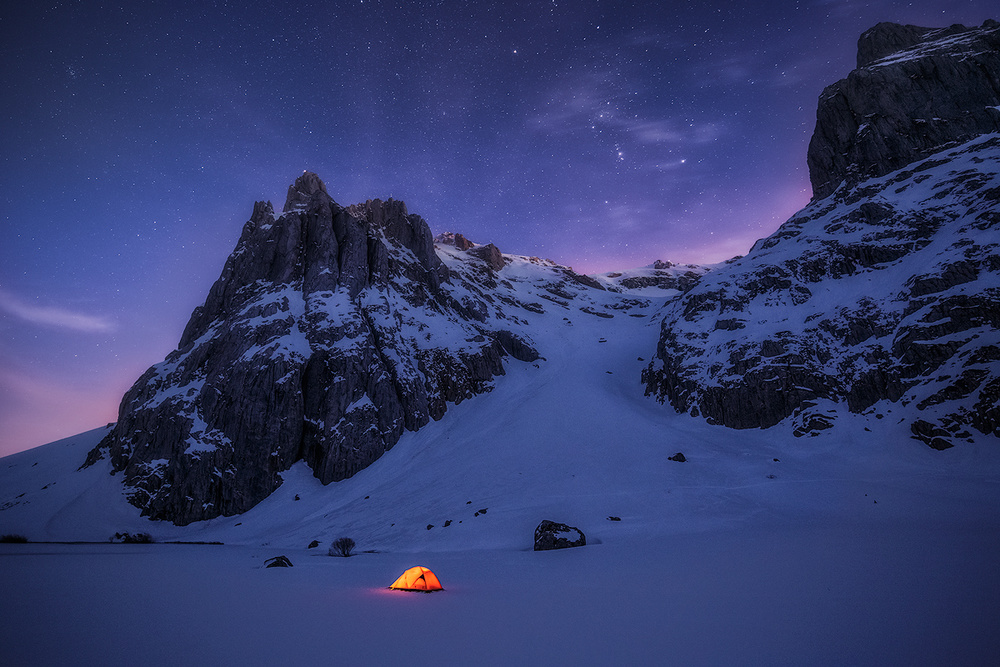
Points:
(880, 296)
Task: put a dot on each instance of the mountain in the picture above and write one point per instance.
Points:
(330, 332)
(337, 337)
(884, 292)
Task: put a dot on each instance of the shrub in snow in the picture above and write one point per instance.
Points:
(130, 538)
(342, 546)
(278, 561)
(13, 539)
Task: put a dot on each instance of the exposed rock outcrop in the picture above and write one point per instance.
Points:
(454, 239)
(665, 276)
(887, 290)
(915, 92)
(490, 254)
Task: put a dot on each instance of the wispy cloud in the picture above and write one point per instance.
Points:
(600, 103)
(51, 316)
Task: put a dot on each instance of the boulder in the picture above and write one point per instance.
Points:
(552, 535)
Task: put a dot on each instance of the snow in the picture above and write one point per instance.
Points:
(941, 188)
(806, 594)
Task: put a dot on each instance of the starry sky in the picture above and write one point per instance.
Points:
(603, 135)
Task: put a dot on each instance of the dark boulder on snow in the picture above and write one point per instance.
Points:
(916, 91)
(887, 290)
(679, 457)
(278, 561)
(552, 535)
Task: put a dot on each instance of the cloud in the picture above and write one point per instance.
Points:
(50, 316)
(599, 103)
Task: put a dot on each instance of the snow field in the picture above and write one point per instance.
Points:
(819, 595)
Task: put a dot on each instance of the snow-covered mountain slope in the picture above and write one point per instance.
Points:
(882, 296)
(884, 292)
(658, 279)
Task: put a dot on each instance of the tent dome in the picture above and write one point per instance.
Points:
(417, 579)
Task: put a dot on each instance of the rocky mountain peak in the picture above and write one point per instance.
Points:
(307, 191)
(916, 91)
(328, 333)
(887, 38)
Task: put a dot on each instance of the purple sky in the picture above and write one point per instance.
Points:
(603, 135)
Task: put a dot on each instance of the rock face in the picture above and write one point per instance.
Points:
(915, 92)
(885, 292)
(552, 535)
(455, 239)
(329, 332)
(664, 277)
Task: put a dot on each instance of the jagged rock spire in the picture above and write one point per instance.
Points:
(305, 192)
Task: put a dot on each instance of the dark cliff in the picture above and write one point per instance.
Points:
(915, 91)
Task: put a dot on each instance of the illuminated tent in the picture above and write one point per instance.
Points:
(417, 579)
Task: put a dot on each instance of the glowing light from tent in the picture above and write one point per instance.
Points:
(417, 579)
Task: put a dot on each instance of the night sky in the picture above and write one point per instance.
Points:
(603, 135)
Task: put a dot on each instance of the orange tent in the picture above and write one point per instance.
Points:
(417, 579)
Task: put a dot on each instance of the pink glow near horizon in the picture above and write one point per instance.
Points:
(37, 412)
